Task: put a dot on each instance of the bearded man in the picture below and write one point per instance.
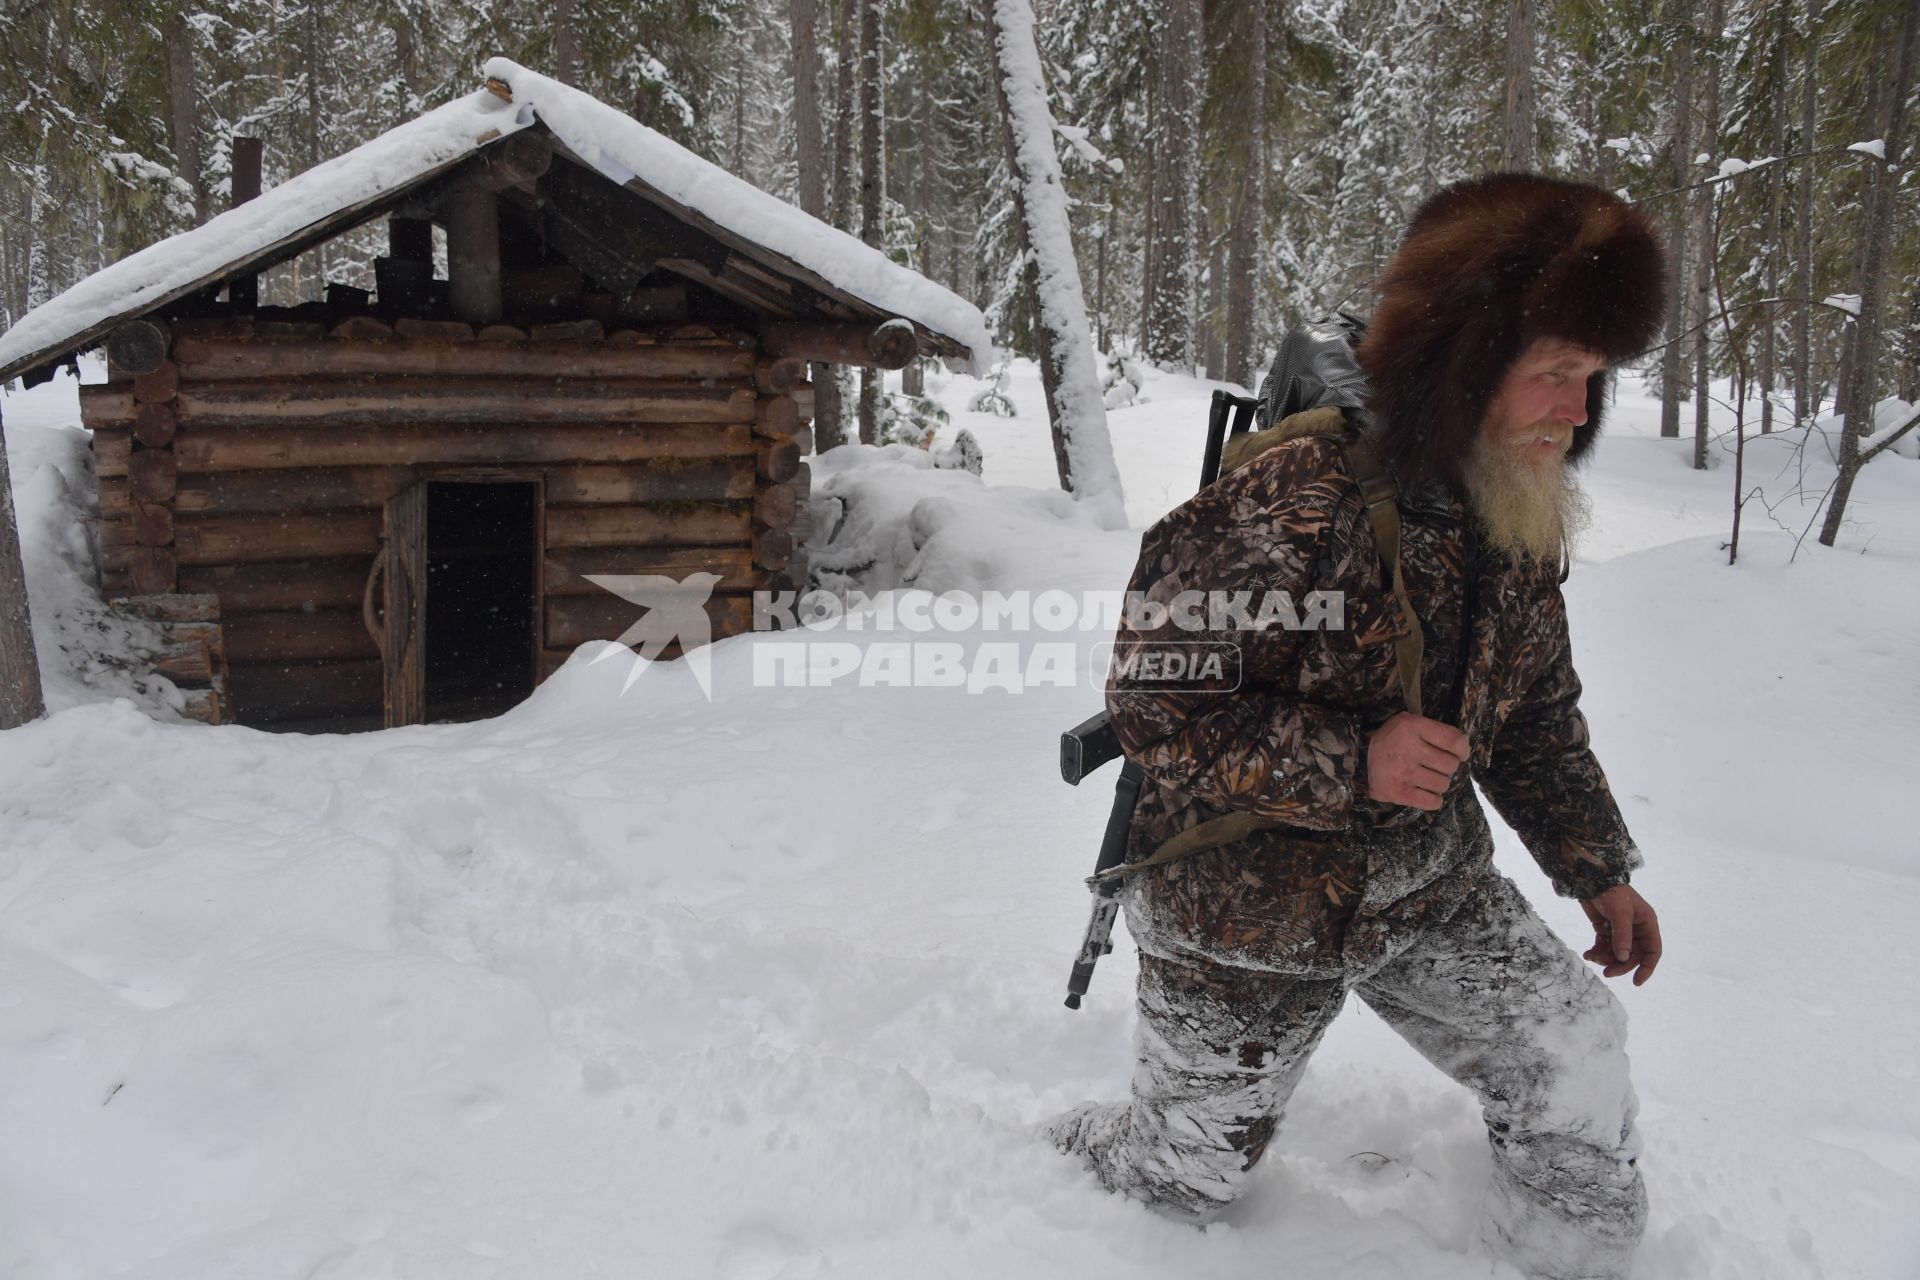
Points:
(1487, 359)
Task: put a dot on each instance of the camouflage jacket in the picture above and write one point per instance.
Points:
(1348, 880)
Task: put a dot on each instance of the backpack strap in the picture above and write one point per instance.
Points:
(1198, 838)
(1380, 493)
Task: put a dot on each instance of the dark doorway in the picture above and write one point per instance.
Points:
(481, 601)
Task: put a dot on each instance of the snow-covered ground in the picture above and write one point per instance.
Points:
(769, 985)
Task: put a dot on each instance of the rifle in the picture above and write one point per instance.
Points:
(1092, 742)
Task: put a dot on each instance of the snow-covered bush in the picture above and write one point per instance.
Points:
(963, 454)
(912, 420)
(1122, 382)
(994, 399)
(915, 421)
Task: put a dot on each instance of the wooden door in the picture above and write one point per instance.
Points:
(403, 647)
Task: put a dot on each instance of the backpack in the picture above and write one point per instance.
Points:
(1315, 388)
(1314, 366)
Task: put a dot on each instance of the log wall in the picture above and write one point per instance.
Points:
(251, 471)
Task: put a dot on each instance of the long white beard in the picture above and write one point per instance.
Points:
(1528, 511)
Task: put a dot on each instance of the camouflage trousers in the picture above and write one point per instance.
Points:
(1490, 996)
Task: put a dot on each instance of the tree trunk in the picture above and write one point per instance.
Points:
(566, 42)
(1169, 322)
(913, 378)
(846, 55)
(39, 283)
(1149, 203)
(873, 186)
(840, 187)
(1606, 161)
(1212, 340)
(312, 51)
(745, 66)
(829, 404)
(20, 696)
(1804, 406)
(406, 65)
(1910, 376)
(1870, 284)
(810, 168)
(1680, 142)
(1100, 319)
(1776, 195)
(1250, 202)
(1857, 256)
(923, 181)
(183, 110)
(809, 161)
(872, 109)
(314, 56)
(1706, 241)
(1082, 449)
(1519, 152)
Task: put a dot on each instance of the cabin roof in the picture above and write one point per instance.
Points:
(778, 256)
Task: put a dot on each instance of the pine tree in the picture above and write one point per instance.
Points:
(1175, 155)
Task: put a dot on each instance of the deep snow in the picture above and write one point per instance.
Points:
(645, 985)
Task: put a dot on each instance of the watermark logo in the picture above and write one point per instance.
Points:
(676, 609)
(1190, 640)
(1209, 666)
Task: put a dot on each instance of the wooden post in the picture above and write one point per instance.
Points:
(473, 221)
(410, 239)
(247, 154)
(403, 280)
(243, 292)
(20, 695)
(473, 254)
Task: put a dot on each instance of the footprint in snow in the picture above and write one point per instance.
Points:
(762, 1253)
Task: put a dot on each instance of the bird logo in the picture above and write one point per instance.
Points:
(675, 610)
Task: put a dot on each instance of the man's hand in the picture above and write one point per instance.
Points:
(1626, 935)
(1411, 760)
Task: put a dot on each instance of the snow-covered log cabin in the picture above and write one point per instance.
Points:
(382, 508)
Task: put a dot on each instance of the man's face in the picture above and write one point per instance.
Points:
(1516, 474)
(1542, 399)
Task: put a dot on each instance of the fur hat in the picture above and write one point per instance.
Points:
(1487, 266)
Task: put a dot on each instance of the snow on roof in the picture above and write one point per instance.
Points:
(179, 264)
(618, 146)
(622, 149)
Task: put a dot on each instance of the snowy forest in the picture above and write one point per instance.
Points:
(1234, 166)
